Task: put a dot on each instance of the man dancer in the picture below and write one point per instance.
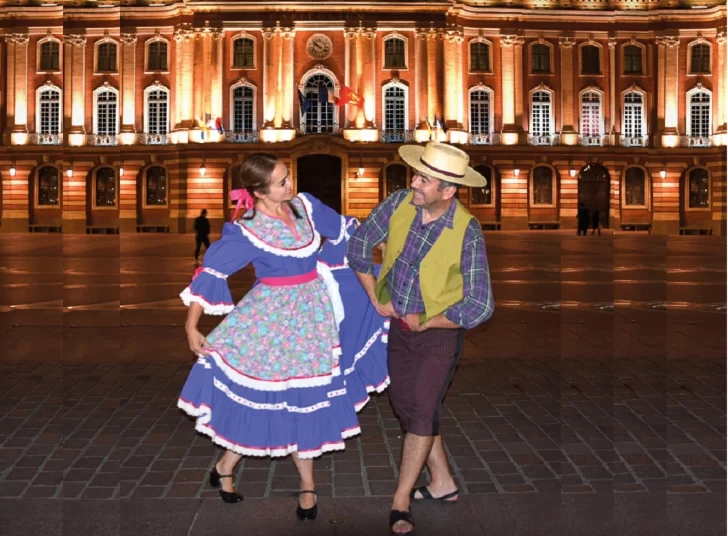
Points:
(435, 284)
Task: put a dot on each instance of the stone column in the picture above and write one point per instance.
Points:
(369, 39)
(269, 87)
(17, 92)
(184, 106)
(128, 86)
(289, 93)
(453, 101)
(199, 76)
(613, 134)
(433, 93)
(518, 81)
(668, 81)
(421, 79)
(566, 47)
(278, 77)
(75, 84)
(352, 75)
(722, 127)
(217, 40)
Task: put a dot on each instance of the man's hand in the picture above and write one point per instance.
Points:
(197, 342)
(386, 310)
(413, 321)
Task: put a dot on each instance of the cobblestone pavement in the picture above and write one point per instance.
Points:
(594, 402)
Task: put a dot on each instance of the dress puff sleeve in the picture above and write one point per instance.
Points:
(329, 223)
(209, 285)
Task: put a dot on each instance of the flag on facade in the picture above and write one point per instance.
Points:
(429, 127)
(442, 126)
(347, 96)
(218, 126)
(303, 102)
(333, 99)
(323, 94)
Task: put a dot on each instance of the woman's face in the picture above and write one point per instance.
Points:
(280, 187)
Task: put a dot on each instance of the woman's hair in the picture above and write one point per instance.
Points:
(255, 173)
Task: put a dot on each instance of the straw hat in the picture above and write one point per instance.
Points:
(442, 161)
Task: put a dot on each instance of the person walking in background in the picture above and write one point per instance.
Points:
(202, 233)
(582, 218)
(596, 223)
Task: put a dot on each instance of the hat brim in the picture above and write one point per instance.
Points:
(412, 153)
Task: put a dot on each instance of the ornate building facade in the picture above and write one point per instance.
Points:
(133, 116)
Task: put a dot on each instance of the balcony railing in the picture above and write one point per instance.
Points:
(104, 140)
(594, 141)
(484, 139)
(319, 128)
(46, 139)
(250, 136)
(548, 139)
(396, 136)
(636, 141)
(696, 141)
(153, 139)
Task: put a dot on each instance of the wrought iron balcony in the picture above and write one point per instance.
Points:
(46, 139)
(633, 141)
(396, 136)
(547, 139)
(248, 136)
(696, 141)
(105, 140)
(153, 139)
(319, 128)
(594, 141)
(484, 139)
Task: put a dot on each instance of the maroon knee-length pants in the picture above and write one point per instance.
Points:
(421, 366)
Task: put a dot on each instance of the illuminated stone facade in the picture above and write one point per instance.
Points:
(619, 104)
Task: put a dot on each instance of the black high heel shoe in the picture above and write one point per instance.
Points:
(307, 514)
(227, 496)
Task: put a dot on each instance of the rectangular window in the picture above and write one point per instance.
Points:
(243, 55)
(107, 58)
(158, 56)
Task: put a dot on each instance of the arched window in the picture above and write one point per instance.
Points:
(107, 111)
(321, 116)
(50, 56)
(105, 187)
(481, 115)
(49, 110)
(106, 57)
(634, 128)
(700, 58)
(543, 186)
(156, 186)
(541, 119)
(540, 59)
(395, 113)
(699, 116)
(632, 59)
(484, 195)
(479, 56)
(243, 104)
(244, 53)
(591, 118)
(590, 61)
(395, 179)
(48, 187)
(634, 187)
(157, 56)
(394, 53)
(699, 188)
(156, 110)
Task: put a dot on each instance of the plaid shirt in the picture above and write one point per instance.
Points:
(403, 279)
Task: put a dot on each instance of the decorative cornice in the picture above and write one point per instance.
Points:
(128, 39)
(720, 37)
(75, 40)
(566, 41)
(668, 41)
(17, 38)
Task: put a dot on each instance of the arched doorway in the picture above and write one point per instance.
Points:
(594, 191)
(320, 176)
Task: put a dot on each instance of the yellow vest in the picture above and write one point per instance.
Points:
(441, 282)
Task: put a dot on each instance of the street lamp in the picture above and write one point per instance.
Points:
(663, 173)
(12, 170)
(69, 171)
(516, 172)
(203, 169)
(121, 169)
(572, 171)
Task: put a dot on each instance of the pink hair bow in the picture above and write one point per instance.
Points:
(244, 199)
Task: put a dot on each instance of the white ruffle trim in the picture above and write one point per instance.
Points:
(203, 415)
(370, 389)
(301, 253)
(342, 233)
(361, 353)
(332, 285)
(270, 385)
(273, 407)
(217, 274)
(210, 309)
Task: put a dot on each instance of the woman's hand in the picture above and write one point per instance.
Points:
(197, 342)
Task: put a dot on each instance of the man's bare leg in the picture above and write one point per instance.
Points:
(442, 482)
(414, 454)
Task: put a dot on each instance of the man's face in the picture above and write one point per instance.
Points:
(426, 191)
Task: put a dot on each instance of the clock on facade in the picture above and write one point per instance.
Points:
(319, 46)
